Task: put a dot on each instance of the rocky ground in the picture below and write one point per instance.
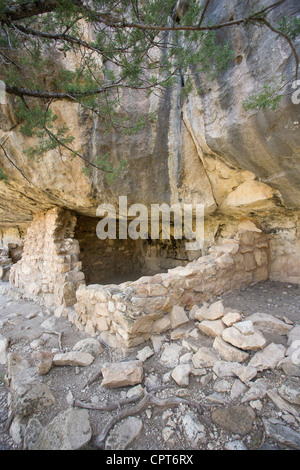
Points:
(185, 390)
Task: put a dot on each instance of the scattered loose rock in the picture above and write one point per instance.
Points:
(236, 391)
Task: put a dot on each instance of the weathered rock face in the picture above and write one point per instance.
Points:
(205, 149)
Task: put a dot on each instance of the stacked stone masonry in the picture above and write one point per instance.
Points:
(50, 268)
(128, 314)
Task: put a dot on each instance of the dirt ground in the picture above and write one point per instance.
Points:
(21, 319)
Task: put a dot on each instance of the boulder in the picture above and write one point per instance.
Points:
(69, 430)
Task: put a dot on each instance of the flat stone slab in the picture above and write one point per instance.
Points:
(73, 358)
(245, 327)
(229, 352)
(282, 433)
(246, 342)
(264, 321)
(121, 374)
(212, 328)
(290, 390)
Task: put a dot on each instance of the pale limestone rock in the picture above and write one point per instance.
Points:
(290, 390)
(246, 342)
(205, 357)
(212, 328)
(229, 352)
(248, 193)
(268, 358)
(193, 430)
(161, 325)
(247, 225)
(257, 391)
(178, 316)
(283, 405)
(199, 313)
(235, 445)
(157, 341)
(73, 358)
(245, 327)
(124, 433)
(28, 394)
(221, 386)
(3, 347)
(88, 345)
(170, 355)
(294, 334)
(43, 361)
(181, 374)
(32, 433)
(225, 369)
(144, 353)
(231, 317)
(121, 374)
(214, 311)
(256, 405)
(245, 373)
(237, 389)
(263, 321)
(69, 430)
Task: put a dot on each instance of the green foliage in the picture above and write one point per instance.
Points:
(3, 176)
(269, 97)
(290, 27)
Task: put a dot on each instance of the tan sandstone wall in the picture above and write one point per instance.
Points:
(128, 314)
(49, 268)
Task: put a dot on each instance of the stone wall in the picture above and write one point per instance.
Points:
(49, 268)
(128, 314)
